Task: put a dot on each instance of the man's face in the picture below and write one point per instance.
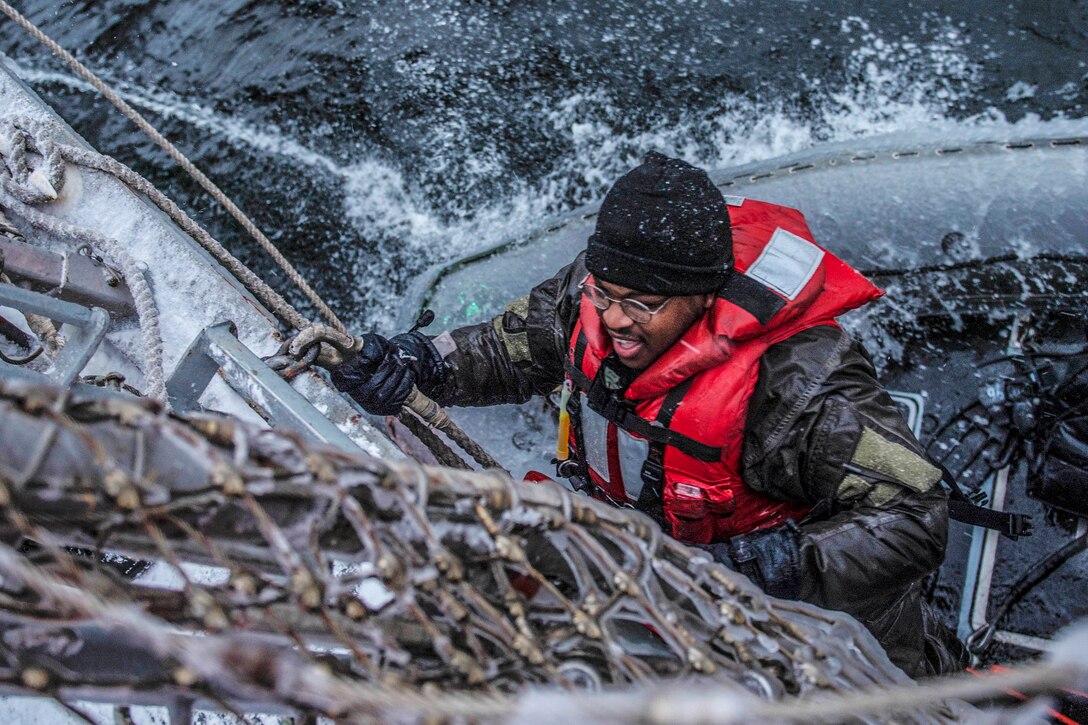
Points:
(637, 345)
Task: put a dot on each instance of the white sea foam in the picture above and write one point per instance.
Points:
(895, 87)
(892, 86)
(238, 132)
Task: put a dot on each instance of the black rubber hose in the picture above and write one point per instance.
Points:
(979, 640)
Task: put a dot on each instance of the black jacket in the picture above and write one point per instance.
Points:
(820, 430)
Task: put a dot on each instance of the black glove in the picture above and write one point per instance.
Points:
(771, 558)
(418, 352)
(383, 373)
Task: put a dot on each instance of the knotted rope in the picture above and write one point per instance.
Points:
(206, 183)
(25, 187)
(444, 592)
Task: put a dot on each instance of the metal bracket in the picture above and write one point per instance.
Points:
(217, 349)
(83, 329)
(72, 277)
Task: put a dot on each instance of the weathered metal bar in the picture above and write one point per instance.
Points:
(70, 277)
(218, 349)
(85, 328)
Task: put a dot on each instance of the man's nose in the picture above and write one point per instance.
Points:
(615, 318)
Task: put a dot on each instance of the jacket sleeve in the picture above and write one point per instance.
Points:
(824, 431)
(517, 354)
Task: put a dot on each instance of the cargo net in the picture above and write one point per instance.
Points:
(302, 579)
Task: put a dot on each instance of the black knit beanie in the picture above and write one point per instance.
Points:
(663, 228)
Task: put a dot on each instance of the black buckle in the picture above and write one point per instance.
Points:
(576, 474)
(1019, 525)
(653, 472)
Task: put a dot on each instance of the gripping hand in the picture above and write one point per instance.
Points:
(769, 557)
(381, 376)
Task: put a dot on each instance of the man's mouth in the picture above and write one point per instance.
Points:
(626, 347)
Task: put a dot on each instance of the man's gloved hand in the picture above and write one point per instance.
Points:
(720, 553)
(383, 373)
(771, 558)
(336, 348)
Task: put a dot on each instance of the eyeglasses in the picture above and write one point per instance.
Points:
(637, 311)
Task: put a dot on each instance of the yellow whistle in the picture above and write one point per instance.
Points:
(562, 446)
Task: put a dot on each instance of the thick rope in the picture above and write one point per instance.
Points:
(26, 187)
(267, 296)
(51, 339)
(419, 404)
(433, 414)
(146, 310)
(426, 435)
(22, 185)
(708, 705)
(182, 161)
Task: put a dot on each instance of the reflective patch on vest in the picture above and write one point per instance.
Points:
(734, 200)
(787, 263)
(895, 461)
(594, 436)
(631, 451)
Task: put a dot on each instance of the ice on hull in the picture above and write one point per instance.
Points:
(191, 290)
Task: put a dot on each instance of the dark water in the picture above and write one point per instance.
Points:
(372, 139)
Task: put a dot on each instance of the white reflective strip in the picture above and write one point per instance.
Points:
(595, 438)
(734, 200)
(787, 263)
(633, 452)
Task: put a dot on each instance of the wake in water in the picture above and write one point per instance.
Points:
(368, 218)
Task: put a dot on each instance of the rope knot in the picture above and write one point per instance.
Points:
(25, 140)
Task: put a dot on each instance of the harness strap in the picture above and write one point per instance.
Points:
(579, 350)
(963, 509)
(651, 499)
(1008, 524)
(614, 411)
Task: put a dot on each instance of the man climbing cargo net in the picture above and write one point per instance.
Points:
(295, 578)
(200, 562)
(339, 584)
(330, 584)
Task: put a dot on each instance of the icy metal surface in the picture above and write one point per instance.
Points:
(191, 291)
(217, 350)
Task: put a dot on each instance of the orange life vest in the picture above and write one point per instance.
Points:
(670, 443)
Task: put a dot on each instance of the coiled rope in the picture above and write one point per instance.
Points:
(426, 409)
(20, 193)
(295, 320)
